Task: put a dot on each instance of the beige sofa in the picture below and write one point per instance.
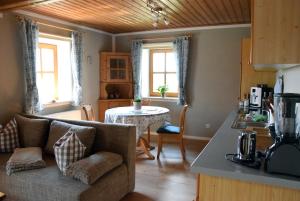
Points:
(48, 184)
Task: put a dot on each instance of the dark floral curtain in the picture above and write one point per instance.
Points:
(29, 37)
(136, 54)
(76, 65)
(181, 45)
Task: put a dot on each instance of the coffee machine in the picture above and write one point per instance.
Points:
(283, 156)
(255, 97)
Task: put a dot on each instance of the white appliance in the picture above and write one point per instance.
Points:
(255, 96)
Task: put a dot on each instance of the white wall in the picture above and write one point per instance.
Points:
(11, 67)
(292, 80)
(213, 81)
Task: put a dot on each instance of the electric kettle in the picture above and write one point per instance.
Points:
(246, 146)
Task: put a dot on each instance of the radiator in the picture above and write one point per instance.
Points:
(70, 115)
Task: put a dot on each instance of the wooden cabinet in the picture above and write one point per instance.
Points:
(115, 81)
(275, 33)
(249, 76)
(115, 67)
(213, 188)
(111, 103)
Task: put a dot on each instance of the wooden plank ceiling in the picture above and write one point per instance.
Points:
(119, 16)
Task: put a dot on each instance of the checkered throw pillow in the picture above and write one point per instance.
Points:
(68, 149)
(9, 139)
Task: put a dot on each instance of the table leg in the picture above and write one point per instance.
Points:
(148, 129)
(149, 139)
(145, 147)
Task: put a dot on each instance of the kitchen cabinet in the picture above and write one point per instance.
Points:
(249, 76)
(220, 180)
(275, 33)
(213, 188)
(115, 81)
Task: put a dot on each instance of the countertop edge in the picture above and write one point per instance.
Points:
(199, 167)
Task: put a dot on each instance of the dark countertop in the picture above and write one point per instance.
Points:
(211, 161)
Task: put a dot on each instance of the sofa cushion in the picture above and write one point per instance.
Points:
(90, 169)
(58, 129)
(25, 159)
(47, 184)
(68, 149)
(32, 132)
(9, 139)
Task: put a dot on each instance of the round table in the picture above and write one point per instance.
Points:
(142, 119)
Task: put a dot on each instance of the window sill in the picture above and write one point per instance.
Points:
(160, 99)
(57, 104)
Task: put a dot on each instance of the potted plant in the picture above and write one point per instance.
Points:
(163, 90)
(137, 104)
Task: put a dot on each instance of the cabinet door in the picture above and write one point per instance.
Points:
(124, 103)
(117, 68)
(103, 106)
(275, 32)
(251, 77)
(113, 104)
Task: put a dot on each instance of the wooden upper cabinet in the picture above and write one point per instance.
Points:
(115, 67)
(251, 77)
(275, 32)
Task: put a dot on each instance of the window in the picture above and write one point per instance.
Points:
(46, 70)
(53, 69)
(163, 72)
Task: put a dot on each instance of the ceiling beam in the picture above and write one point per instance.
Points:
(6, 5)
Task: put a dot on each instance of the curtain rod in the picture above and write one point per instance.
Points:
(46, 24)
(163, 38)
(57, 27)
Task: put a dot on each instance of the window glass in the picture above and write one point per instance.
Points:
(53, 69)
(163, 72)
(170, 62)
(47, 57)
(159, 62)
(158, 80)
(172, 82)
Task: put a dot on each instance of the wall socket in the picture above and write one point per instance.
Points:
(207, 125)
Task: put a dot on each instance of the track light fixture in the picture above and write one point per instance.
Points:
(158, 12)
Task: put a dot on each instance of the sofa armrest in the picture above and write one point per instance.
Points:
(119, 139)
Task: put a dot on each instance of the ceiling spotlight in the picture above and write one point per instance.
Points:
(167, 22)
(158, 12)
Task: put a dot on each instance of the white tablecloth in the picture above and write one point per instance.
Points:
(143, 118)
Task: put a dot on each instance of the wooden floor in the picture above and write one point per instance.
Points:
(168, 179)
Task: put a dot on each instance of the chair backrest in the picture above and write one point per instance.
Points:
(182, 119)
(146, 102)
(88, 112)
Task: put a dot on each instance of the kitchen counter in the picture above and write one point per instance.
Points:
(211, 161)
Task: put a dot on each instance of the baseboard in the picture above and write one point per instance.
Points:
(189, 137)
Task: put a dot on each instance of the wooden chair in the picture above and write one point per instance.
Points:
(88, 112)
(175, 132)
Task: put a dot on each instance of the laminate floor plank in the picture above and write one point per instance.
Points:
(168, 178)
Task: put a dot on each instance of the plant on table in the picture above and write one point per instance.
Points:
(137, 103)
